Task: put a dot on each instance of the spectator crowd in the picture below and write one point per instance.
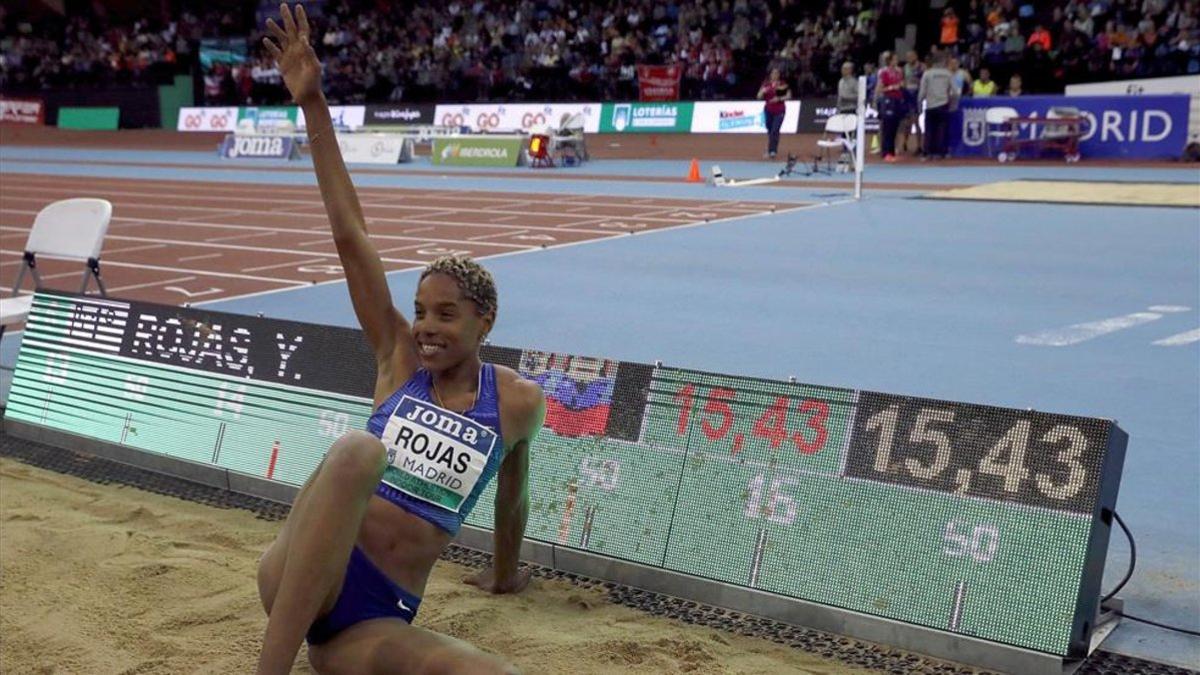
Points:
(471, 50)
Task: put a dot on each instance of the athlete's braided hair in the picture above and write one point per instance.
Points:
(474, 281)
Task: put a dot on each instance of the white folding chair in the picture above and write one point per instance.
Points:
(999, 131)
(839, 135)
(71, 229)
(569, 134)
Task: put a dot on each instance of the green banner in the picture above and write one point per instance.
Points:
(104, 119)
(667, 117)
(478, 150)
(172, 97)
(264, 117)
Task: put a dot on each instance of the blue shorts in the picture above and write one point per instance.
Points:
(366, 594)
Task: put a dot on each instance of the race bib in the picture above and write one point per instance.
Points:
(433, 454)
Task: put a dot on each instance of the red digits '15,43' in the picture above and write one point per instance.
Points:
(717, 420)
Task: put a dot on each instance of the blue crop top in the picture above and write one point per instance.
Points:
(486, 412)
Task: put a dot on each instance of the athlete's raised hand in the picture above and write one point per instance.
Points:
(298, 63)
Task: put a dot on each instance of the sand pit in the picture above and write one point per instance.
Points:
(1079, 192)
(111, 579)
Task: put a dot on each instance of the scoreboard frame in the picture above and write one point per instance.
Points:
(279, 360)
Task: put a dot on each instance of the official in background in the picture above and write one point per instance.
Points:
(939, 95)
(774, 91)
(847, 96)
(889, 97)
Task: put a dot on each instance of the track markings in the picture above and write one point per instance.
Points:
(280, 239)
(203, 256)
(211, 290)
(1090, 330)
(1179, 339)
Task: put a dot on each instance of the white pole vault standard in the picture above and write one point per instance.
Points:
(860, 136)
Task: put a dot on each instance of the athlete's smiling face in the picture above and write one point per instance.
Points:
(447, 326)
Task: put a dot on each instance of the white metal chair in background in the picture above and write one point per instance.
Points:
(840, 130)
(71, 229)
(569, 136)
(999, 132)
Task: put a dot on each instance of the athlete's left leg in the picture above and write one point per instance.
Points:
(392, 646)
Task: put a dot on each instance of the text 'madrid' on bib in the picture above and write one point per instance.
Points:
(433, 454)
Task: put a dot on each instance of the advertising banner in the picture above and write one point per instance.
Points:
(478, 150)
(207, 119)
(1183, 84)
(399, 113)
(268, 118)
(815, 112)
(739, 117)
(22, 110)
(625, 118)
(259, 147)
(1132, 127)
(510, 117)
(93, 119)
(658, 83)
(373, 148)
(342, 116)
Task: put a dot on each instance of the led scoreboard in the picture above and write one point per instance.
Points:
(976, 520)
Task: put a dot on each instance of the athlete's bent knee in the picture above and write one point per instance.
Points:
(356, 456)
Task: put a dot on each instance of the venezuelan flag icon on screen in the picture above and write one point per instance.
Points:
(578, 390)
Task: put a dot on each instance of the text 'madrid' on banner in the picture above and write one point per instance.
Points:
(1124, 127)
(969, 519)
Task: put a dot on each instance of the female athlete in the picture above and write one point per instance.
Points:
(350, 564)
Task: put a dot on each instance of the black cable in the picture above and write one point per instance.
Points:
(1125, 580)
(1160, 625)
(1132, 560)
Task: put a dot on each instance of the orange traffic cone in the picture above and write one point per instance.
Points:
(694, 172)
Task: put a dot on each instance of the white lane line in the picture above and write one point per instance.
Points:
(1169, 309)
(1082, 332)
(290, 263)
(481, 237)
(207, 273)
(150, 283)
(203, 256)
(235, 237)
(131, 249)
(238, 247)
(504, 219)
(1179, 339)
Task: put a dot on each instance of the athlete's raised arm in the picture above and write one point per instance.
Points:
(385, 327)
